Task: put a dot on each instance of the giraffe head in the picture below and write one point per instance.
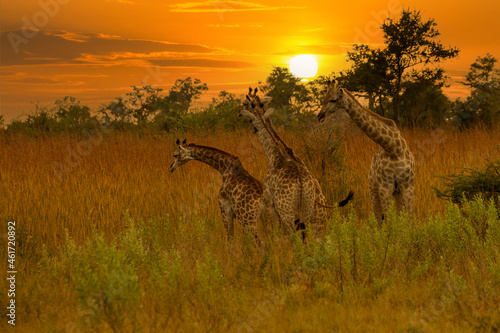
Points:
(181, 155)
(334, 100)
(253, 106)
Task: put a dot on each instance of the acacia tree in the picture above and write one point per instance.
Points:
(370, 75)
(411, 49)
(412, 42)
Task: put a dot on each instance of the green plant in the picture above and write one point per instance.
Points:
(470, 183)
(106, 285)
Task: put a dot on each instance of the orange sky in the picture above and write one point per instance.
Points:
(96, 49)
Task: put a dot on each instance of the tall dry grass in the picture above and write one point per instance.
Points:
(63, 189)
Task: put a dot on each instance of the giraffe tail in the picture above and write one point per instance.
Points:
(341, 203)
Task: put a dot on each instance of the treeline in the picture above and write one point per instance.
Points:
(402, 81)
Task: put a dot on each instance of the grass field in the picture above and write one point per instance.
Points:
(107, 239)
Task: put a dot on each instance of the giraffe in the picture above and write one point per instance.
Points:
(320, 198)
(241, 194)
(392, 171)
(291, 192)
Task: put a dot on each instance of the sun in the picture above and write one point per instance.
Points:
(304, 66)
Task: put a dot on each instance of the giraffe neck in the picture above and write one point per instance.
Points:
(381, 130)
(217, 159)
(272, 148)
(277, 138)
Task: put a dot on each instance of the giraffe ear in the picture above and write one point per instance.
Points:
(183, 149)
(249, 90)
(255, 91)
(266, 99)
(247, 114)
(268, 113)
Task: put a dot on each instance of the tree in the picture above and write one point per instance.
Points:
(144, 102)
(411, 48)
(483, 105)
(174, 107)
(411, 42)
(482, 72)
(222, 112)
(285, 89)
(423, 99)
(370, 74)
(71, 114)
(183, 94)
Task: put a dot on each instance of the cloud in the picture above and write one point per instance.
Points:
(62, 47)
(224, 6)
(224, 25)
(234, 26)
(201, 63)
(36, 79)
(126, 2)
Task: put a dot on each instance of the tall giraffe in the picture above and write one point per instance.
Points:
(392, 172)
(241, 194)
(290, 190)
(320, 198)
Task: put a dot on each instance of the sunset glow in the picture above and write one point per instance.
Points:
(96, 50)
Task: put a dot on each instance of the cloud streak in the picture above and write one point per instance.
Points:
(207, 63)
(224, 6)
(62, 47)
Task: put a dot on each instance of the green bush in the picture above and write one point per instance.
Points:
(106, 285)
(470, 183)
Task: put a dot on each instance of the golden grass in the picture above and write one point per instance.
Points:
(120, 173)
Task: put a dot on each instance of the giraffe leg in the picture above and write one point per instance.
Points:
(309, 210)
(250, 230)
(408, 197)
(227, 217)
(287, 211)
(248, 217)
(375, 200)
(385, 195)
(319, 218)
(270, 208)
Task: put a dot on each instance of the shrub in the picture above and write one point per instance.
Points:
(106, 285)
(470, 183)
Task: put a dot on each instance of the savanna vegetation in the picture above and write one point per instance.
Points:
(115, 242)
(107, 239)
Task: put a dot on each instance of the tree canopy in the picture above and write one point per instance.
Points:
(408, 62)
